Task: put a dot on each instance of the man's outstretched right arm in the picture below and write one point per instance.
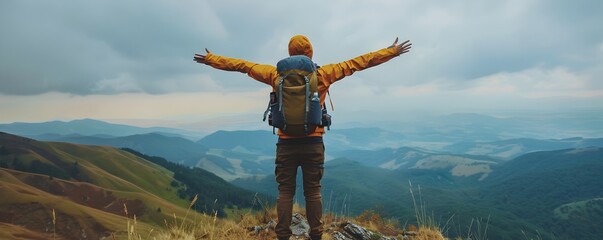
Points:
(259, 72)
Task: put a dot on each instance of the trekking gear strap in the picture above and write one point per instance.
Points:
(280, 100)
(331, 101)
(307, 104)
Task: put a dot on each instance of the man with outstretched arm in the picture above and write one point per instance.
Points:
(305, 151)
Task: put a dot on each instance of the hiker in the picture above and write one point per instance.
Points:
(308, 150)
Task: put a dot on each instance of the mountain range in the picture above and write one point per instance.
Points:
(235, 154)
(544, 188)
(89, 127)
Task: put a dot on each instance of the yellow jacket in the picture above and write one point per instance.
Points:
(298, 45)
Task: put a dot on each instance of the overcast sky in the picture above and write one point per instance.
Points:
(131, 61)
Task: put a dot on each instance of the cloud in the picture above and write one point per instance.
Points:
(539, 83)
(500, 50)
(86, 47)
(74, 46)
(531, 83)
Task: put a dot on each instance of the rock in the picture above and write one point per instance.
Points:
(347, 231)
(339, 236)
(266, 227)
(350, 231)
(358, 232)
(300, 226)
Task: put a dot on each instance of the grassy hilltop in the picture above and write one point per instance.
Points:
(89, 189)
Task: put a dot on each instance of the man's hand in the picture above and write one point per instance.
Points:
(200, 58)
(401, 48)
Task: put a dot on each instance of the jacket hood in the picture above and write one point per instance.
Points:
(300, 45)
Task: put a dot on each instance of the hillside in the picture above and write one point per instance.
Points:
(194, 181)
(351, 188)
(89, 186)
(174, 148)
(227, 159)
(545, 194)
(83, 209)
(559, 190)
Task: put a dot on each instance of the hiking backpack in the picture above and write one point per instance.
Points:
(295, 104)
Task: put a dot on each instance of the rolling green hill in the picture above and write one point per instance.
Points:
(215, 190)
(89, 186)
(536, 186)
(175, 149)
(228, 160)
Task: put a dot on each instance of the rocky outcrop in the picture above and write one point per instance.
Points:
(351, 231)
(338, 231)
(300, 226)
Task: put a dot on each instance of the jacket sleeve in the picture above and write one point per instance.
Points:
(260, 72)
(333, 72)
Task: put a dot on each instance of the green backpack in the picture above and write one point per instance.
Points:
(295, 105)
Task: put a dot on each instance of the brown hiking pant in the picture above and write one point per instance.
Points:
(310, 156)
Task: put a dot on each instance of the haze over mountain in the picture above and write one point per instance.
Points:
(462, 174)
(88, 127)
(429, 131)
(234, 154)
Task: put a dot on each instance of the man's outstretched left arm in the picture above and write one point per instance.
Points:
(333, 72)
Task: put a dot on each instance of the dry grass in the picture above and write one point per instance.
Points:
(210, 227)
(375, 222)
(255, 226)
(428, 233)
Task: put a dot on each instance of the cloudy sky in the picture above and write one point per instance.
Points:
(131, 61)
